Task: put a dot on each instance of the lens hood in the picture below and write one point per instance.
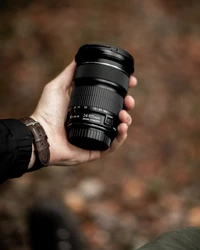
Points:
(96, 52)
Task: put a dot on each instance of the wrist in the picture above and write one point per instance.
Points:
(40, 149)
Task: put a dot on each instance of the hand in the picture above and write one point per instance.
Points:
(51, 112)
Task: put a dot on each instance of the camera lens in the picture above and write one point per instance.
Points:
(100, 84)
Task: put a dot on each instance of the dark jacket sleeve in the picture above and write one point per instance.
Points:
(15, 148)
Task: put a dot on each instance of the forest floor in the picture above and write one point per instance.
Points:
(151, 184)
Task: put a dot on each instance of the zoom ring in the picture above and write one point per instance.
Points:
(96, 97)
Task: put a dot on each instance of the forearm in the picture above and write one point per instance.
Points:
(15, 149)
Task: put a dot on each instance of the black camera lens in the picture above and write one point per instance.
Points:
(100, 84)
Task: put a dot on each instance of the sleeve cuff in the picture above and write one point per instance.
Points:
(21, 140)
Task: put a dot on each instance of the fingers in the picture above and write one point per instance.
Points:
(64, 79)
(125, 117)
(129, 102)
(122, 130)
(133, 81)
(121, 137)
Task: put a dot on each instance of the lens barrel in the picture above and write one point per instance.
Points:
(100, 84)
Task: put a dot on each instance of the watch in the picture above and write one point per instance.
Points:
(40, 141)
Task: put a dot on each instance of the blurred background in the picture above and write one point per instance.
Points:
(151, 184)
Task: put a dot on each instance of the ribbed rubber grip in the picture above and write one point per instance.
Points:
(96, 97)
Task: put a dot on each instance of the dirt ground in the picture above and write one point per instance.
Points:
(156, 172)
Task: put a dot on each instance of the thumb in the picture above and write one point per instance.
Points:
(64, 79)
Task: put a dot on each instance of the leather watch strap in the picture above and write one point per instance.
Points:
(40, 142)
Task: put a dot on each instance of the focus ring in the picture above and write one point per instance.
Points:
(96, 97)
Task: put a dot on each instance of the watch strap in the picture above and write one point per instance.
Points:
(40, 141)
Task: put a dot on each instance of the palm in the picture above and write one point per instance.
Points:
(51, 113)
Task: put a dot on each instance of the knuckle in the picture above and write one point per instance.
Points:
(129, 120)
